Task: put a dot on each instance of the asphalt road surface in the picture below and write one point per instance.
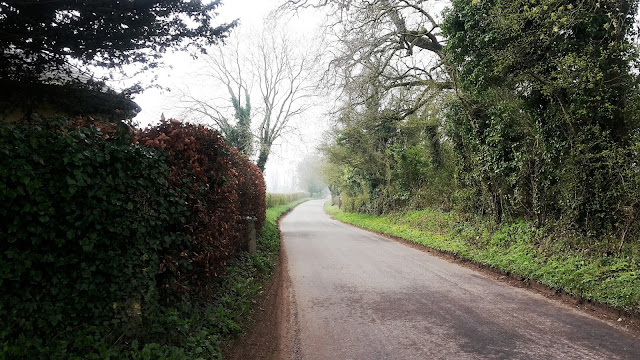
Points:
(356, 295)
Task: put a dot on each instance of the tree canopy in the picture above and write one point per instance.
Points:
(46, 40)
(507, 109)
(547, 109)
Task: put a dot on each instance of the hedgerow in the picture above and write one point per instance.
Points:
(108, 234)
(543, 124)
(199, 157)
(85, 216)
(283, 199)
(251, 189)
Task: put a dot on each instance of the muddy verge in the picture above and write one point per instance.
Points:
(271, 332)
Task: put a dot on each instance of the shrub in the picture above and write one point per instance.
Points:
(84, 216)
(283, 199)
(222, 184)
(109, 234)
(251, 189)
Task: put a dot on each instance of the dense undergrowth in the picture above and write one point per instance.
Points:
(521, 249)
(199, 332)
(533, 115)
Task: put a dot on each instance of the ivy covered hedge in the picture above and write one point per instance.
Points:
(105, 231)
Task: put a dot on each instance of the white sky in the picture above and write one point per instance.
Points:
(285, 154)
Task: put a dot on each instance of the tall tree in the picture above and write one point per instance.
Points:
(544, 121)
(547, 115)
(270, 65)
(404, 33)
(227, 66)
(44, 39)
(381, 157)
(286, 72)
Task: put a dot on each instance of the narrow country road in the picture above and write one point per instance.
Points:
(356, 295)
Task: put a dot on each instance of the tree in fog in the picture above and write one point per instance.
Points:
(225, 66)
(310, 175)
(271, 79)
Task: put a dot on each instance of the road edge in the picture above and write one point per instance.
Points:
(618, 318)
(271, 332)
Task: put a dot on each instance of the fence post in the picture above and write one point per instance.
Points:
(252, 235)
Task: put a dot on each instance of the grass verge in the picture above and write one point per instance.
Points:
(520, 249)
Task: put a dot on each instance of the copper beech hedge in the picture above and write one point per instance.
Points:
(227, 193)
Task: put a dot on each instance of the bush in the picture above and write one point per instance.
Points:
(113, 238)
(222, 183)
(84, 216)
(251, 189)
(283, 199)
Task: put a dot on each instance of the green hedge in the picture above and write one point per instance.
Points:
(284, 199)
(114, 240)
(83, 219)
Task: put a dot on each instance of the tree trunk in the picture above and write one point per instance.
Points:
(263, 156)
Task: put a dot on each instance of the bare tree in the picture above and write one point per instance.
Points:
(396, 41)
(413, 23)
(224, 66)
(271, 66)
(285, 72)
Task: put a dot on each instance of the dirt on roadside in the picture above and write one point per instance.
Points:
(271, 333)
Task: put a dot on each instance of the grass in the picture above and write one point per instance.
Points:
(518, 248)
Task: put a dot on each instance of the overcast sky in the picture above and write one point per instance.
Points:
(179, 73)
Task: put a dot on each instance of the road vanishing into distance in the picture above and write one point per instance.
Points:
(357, 295)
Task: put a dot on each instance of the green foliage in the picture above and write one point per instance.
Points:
(331, 209)
(519, 248)
(545, 123)
(38, 38)
(422, 168)
(273, 200)
(198, 331)
(381, 163)
(86, 217)
(114, 249)
(239, 134)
